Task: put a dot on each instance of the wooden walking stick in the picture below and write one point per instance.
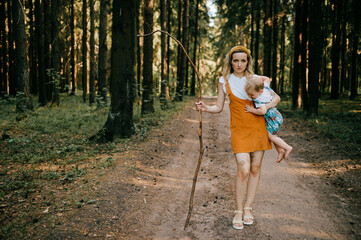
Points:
(201, 150)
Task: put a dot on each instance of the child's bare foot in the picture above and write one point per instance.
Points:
(281, 154)
(288, 151)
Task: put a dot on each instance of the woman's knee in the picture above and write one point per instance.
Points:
(255, 169)
(243, 165)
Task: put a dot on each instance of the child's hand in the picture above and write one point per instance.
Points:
(249, 108)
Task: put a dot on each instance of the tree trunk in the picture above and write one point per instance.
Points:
(23, 99)
(147, 97)
(169, 29)
(139, 56)
(304, 38)
(343, 45)
(355, 41)
(193, 83)
(283, 48)
(47, 55)
(72, 50)
(32, 49)
(336, 40)
(315, 54)
(4, 59)
(164, 66)
(102, 65)
(180, 85)
(39, 28)
(55, 55)
(275, 46)
(92, 56)
(258, 27)
(11, 76)
(84, 52)
(123, 67)
(296, 57)
(179, 53)
(267, 44)
(252, 27)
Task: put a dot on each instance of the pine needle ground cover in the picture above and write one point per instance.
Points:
(47, 161)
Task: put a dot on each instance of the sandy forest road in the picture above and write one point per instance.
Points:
(149, 200)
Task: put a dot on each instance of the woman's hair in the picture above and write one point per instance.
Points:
(227, 67)
(255, 83)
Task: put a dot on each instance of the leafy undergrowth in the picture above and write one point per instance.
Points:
(339, 118)
(46, 160)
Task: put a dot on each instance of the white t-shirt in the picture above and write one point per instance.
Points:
(237, 86)
(266, 96)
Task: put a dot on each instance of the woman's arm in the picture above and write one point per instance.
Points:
(214, 108)
(273, 103)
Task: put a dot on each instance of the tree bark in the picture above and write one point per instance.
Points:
(258, 27)
(283, 48)
(315, 54)
(267, 37)
(164, 66)
(147, 97)
(336, 40)
(84, 76)
(92, 56)
(72, 48)
(304, 38)
(3, 65)
(343, 45)
(47, 54)
(32, 49)
(169, 29)
(296, 57)
(23, 100)
(193, 83)
(39, 28)
(123, 67)
(180, 85)
(355, 41)
(139, 56)
(103, 49)
(11, 76)
(275, 46)
(55, 54)
(180, 52)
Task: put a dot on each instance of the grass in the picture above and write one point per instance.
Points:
(47, 149)
(339, 118)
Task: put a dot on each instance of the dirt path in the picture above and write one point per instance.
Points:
(146, 196)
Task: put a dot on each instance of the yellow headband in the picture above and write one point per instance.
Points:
(239, 48)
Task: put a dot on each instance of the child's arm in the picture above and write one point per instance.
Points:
(258, 111)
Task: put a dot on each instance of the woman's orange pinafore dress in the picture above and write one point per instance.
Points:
(248, 131)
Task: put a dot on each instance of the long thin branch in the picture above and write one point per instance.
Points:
(201, 150)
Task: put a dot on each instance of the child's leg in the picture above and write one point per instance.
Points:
(279, 142)
(281, 152)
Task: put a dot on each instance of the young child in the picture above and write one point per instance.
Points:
(261, 93)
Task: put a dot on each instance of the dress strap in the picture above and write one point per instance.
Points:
(228, 88)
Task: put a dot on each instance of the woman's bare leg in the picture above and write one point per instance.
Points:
(242, 175)
(253, 181)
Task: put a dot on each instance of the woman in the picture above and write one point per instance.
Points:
(248, 131)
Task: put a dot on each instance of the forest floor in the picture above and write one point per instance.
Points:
(140, 189)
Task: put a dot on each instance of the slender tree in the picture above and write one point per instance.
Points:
(283, 48)
(303, 38)
(123, 70)
(182, 76)
(257, 37)
(147, 97)
(22, 74)
(336, 41)
(139, 56)
(267, 37)
(315, 54)
(193, 83)
(355, 41)
(275, 45)
(169, 30)
(164, 66)
(3, 66)
(55, 53)
(84, 51)
(11, 75)
(72, 48)
(343, 45)
(179, 37)
(296, 57)
(47, 54)
(92, 56)
(39, 28)
(102, 65)
(32, 50)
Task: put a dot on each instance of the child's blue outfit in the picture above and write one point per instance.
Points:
(273, 117)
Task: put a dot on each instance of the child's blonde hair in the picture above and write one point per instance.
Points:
(255, 83)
